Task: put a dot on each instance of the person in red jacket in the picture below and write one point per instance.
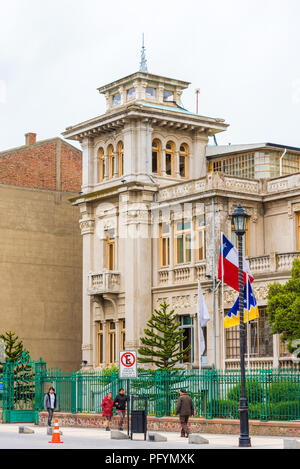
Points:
(107, 407)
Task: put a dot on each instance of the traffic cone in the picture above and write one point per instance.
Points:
(56, 433)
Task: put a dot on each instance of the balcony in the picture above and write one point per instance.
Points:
(272, 263)
(179, 274)
(260, 266)
(107, 281)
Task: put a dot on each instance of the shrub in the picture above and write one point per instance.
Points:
(254, 392)
(283, 391)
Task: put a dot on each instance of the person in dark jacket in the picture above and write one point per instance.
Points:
(50, 403)
(120, 404)
(185, 408)
(107, 407)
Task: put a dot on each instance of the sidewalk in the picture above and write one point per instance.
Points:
(91, 438)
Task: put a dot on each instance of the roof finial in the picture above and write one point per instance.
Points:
(143, 63)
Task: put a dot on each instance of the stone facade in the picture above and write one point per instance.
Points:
(41, 266)
(159, 179)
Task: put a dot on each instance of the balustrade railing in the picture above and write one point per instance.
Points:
(105, 281)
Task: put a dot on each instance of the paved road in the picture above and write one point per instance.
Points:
(91, 438)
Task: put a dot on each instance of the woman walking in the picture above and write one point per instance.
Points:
(107, 407)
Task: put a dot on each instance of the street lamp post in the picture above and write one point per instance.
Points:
(239, 218)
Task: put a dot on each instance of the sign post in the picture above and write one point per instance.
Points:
(128, 370)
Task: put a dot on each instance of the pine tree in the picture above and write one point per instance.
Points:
(13, 346)
(163, 341)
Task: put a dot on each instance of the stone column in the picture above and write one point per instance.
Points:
(129, 148)
(87, 225)
(135, 244)
(106, 164)
(177, 171)
(87, 146)
(198, 165)
(117, 322)
(104, 343)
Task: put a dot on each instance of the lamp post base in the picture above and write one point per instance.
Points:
(244, 440)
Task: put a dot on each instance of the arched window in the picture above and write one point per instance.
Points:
(120, 159)
(111, 161)
(183, 160)
(101, 164)
(170, 159)
(156, 156)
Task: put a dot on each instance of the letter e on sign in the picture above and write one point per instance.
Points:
(128, 364)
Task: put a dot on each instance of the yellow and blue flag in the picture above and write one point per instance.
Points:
(250, 309)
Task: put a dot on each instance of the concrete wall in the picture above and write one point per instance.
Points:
(41, 272)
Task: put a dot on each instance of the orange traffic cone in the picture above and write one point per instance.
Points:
(56, 434)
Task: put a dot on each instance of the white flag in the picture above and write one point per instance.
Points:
(203, 318)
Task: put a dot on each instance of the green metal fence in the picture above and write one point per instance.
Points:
(273, 394)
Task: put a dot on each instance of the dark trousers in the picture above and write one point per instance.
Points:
(50, 415)
(184, 424)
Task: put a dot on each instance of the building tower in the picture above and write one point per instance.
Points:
(145, 141)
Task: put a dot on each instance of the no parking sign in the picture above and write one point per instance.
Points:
(128, 364)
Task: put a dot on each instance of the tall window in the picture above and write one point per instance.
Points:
(164, 242)
(170, 159)
(245, 239)
(101, 164)
(121, 158)
(156, 156)
(183, 242)
(111, 343)
(122, 334)
(99, 343)
(200, 230)
(110, 249)
(186, 323)
(260, 338)
(111, 161)
(298, 231)
(183, 160)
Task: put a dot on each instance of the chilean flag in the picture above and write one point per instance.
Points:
(228, 270)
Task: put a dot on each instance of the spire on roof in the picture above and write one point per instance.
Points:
(143, 63)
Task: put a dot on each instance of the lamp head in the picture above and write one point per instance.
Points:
(239, 218)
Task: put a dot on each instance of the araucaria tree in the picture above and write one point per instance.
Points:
(163, 342)
(284, 308)
(13, 346)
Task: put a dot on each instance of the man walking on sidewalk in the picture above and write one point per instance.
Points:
(185, 408)
(120, 403)
(50, 404)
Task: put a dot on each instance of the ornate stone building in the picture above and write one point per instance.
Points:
(155, 199)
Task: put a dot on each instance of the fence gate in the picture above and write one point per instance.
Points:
(21, 382)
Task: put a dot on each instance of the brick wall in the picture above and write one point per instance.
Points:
(48, 165)
(171, 424)
(71, 167)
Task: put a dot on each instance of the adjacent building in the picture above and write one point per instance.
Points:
(41, 268)
(155, 199)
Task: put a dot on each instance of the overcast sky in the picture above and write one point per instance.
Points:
(242, 54)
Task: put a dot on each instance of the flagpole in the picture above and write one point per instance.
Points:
(248, 351)
(198, 324)
(223, 329)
